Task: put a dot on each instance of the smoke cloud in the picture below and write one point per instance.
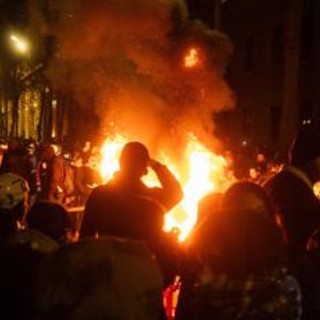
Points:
(123, 60)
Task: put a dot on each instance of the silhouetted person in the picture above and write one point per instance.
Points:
(208, 205)
(126, 207)
(134, 164)
(240, 271)
(13, 159)
(52, 175)
(48, 226)
(31, 164)
(105, 278)
(18, 271)
(126, 202)
(52, 219)
(14, 193)
(17, 264)
(299, 212)
(292, 189)
(86, 178)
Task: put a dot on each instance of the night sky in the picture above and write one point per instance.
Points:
(202, 9)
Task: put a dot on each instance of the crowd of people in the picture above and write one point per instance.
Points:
(53, 172)
(254, 253)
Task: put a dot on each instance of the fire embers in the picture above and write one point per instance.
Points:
(192, 58)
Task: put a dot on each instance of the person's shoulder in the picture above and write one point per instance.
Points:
(101, 189)
(105, 192)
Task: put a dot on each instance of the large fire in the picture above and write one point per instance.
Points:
(205, 174)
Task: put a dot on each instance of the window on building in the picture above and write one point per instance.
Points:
(249, 54)
(277, 46)
(275, 122)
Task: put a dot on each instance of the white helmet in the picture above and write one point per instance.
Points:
(13, 189)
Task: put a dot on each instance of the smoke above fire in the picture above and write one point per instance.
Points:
(125, 62)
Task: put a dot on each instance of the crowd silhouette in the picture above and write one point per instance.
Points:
(252, 255)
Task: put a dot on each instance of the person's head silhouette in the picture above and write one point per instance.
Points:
(134, 159)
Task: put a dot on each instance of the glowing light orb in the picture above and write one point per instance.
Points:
(20, 44)
(192, 58)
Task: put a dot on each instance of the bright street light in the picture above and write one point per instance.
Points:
(20, 44)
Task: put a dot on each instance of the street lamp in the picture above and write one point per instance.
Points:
(18, 68)
(19, 44)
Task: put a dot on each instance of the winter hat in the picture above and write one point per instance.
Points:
(305, 147)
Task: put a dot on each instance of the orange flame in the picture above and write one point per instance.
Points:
(110, 156)
(206, 173)
(192, 58)
(316, 189)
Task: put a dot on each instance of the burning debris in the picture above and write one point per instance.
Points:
(192, 59)
(124, 61)
(201, 173)
(150, 74)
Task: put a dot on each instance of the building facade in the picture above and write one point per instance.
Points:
(275, 71)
